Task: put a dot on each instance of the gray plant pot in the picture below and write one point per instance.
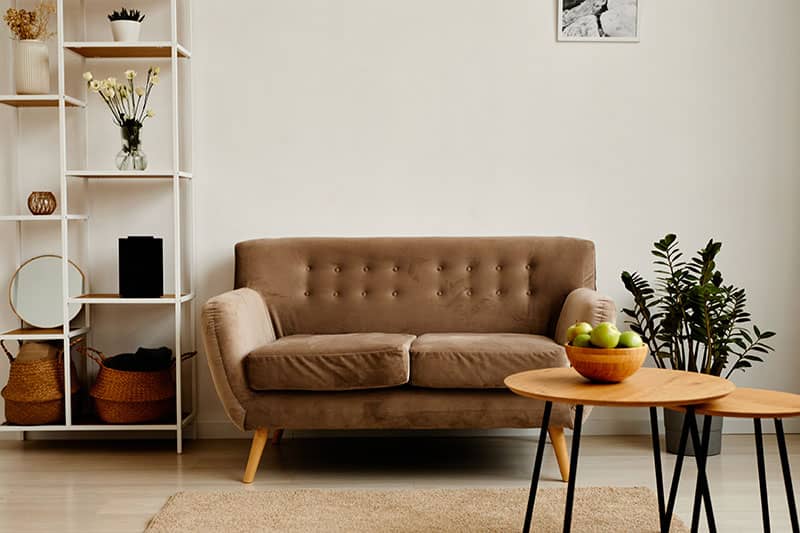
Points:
(673, 424)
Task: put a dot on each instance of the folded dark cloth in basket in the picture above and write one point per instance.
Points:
(144, 360)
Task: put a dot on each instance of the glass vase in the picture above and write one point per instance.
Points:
(131, 157)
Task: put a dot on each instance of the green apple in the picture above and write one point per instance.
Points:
(579, 328)
(630, 339)
(582, 340)
(605, 335)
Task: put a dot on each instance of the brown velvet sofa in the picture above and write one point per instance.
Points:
(384, 333)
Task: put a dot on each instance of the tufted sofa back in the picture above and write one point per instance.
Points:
(415, 285)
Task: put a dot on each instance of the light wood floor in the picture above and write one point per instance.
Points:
(118, 485)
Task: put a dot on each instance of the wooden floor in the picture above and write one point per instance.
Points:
(118, 485)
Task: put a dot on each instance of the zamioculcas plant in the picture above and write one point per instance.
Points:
(690, 319)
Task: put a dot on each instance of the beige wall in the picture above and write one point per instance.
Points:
(454, 117)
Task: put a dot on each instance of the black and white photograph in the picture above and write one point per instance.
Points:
(598, 20)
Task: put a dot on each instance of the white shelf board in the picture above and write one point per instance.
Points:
(130, 50)
(40, 218)
(114, 299)
(38, 100)
(126, 174)
(37, 334)
(100, 426)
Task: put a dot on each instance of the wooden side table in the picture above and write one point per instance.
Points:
(756, 404)
(649, 387)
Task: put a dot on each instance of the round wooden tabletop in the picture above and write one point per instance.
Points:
(648, 387)
(753, 403)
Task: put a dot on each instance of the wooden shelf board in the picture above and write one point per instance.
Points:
(125, 174)
(38, 100)
(41, 218)
(111, 49)
(40, 334)
(110, 298)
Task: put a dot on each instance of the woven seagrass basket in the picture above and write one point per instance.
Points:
(127, 397)
(34, 394)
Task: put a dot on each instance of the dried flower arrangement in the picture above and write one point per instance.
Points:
(30, 25)
(125, 14)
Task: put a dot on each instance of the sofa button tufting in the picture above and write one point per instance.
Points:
(336, 293)
(468, 292)
(306, 293)
(337, 269)
(498, 268)
(363, 293)
(439, 293)
(498, 292)
(366, 269)
(308, 268)
(527, 267)
(439, 268)
(529, 292)
(395, 269)
(394, 293)
(469, 269)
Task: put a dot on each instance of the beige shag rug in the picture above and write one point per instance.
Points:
(597, 509)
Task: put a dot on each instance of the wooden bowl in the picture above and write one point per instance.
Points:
(606, 365)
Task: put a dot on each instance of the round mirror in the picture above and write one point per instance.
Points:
(36, 291)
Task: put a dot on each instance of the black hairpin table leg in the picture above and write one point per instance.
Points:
(657, 461)
(787, 474)
(676, 477)
(537, 466)
(762, 474)
(698, 492)
(702, 479)
(573, 467)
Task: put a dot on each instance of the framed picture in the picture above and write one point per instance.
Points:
(598, 20)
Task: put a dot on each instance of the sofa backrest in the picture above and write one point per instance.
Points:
(415, 285)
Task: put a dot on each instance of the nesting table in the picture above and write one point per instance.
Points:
(756, 404)
(649, 387)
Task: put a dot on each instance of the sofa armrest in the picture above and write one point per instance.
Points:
(584, 305)
(234, 324)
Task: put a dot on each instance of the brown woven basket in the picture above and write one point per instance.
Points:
(125, 397)
(34, 394)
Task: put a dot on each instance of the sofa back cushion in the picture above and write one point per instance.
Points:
(415, 285)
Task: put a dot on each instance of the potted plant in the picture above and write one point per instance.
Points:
(31, 61)
(126, 24)
(128, 105)
(693, 321)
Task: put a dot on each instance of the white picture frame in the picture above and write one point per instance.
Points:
(621, 16)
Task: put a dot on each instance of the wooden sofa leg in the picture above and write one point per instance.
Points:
(277, 437)
(559, 442)
(256, 448)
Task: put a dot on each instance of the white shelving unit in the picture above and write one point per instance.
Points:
(167, 52)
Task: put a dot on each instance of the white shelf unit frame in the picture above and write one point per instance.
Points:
(173, 51)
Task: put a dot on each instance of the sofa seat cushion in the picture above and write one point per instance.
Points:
(479, 360)
(331, 362)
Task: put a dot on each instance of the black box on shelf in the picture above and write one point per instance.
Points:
(141, 267)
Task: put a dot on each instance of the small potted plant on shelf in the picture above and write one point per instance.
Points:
(128, 105)
(126, 24)
(693, 321)
(31, 61)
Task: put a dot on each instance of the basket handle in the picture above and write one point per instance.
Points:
(8, 354)
(188, 355)
(95, 355)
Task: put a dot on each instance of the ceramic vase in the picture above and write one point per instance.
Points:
(31, 67)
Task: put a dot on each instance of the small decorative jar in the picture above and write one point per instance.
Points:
(42, 203)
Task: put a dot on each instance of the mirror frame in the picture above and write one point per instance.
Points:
(14, 276)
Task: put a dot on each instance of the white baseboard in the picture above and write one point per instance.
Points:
(595, 425)
(600, 422)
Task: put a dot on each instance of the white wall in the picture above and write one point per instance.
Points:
(464, 117)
